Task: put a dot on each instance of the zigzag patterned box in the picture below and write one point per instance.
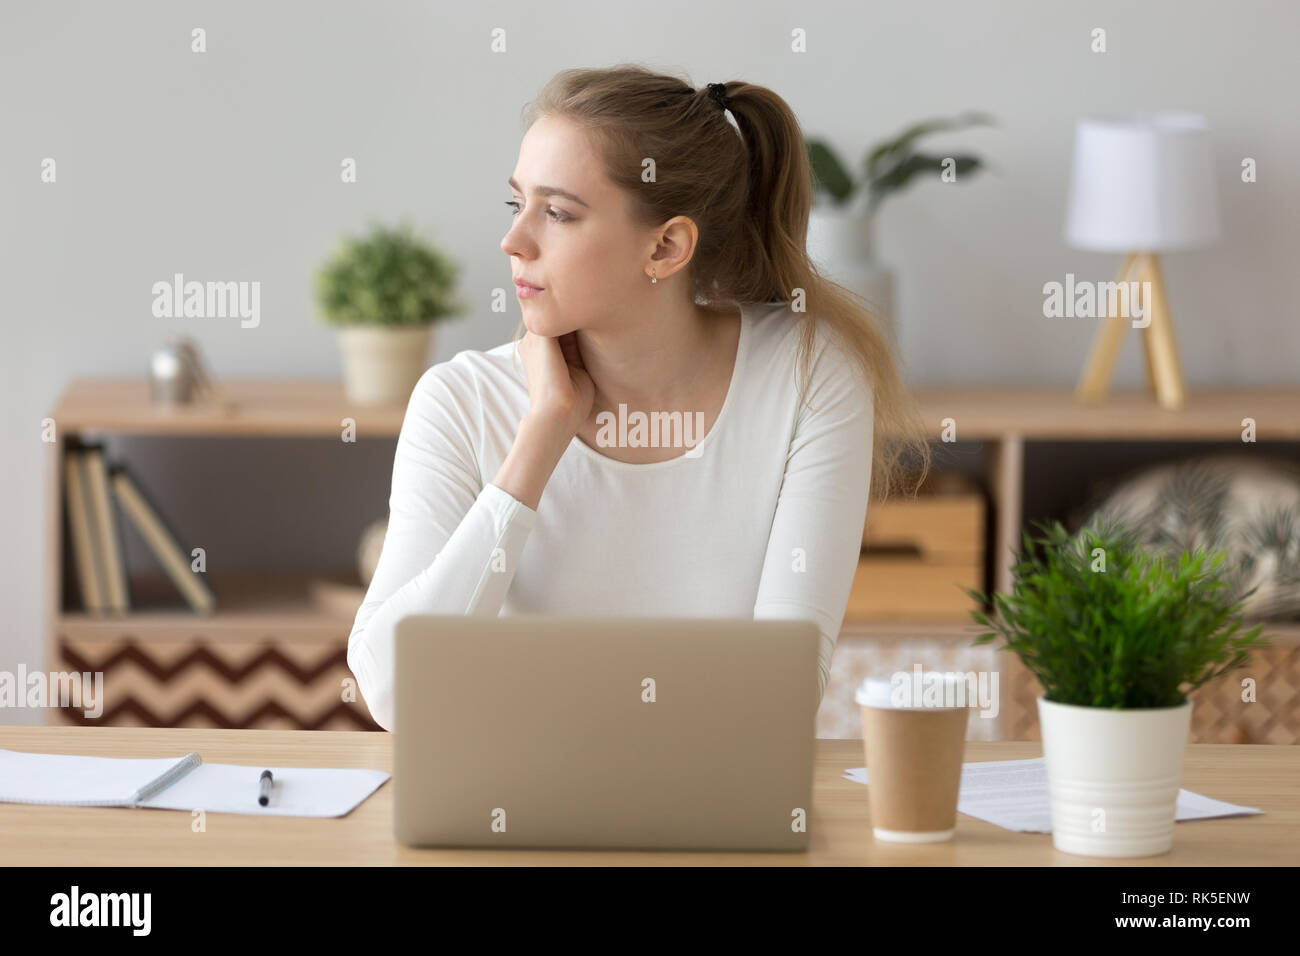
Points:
(231, 683)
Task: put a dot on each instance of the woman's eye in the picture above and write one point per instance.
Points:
(553, 213)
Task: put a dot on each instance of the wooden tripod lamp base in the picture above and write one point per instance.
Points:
(1163, 371)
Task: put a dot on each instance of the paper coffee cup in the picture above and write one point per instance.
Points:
(913, 739)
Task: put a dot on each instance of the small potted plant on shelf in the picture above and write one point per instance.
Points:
(384, 291)
(841, 225)
(1118, 636)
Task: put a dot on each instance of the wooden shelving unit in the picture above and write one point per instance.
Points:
(238, 408)
(260, 612)
(163, 662)
(1007, 421)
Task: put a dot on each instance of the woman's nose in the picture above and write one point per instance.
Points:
(515, 242)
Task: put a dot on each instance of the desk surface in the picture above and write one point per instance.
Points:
(1261, 776)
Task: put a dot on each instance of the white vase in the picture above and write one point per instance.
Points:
(1113, 776)
(842, 243)
(382, 363)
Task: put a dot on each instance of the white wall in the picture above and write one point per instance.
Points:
(225, 166)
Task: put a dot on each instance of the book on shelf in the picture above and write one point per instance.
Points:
(112, 562)
(81, 532)
(92, 484)
(160, 538)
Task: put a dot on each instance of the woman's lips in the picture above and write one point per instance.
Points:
(526, 291)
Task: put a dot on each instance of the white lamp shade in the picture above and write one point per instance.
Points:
(1142, 184)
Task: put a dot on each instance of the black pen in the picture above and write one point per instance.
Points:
(264, 788)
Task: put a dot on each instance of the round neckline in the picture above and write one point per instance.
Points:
(696, 451)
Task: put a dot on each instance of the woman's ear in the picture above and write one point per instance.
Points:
(675, 245)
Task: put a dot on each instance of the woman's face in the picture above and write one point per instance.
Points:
(582, 248)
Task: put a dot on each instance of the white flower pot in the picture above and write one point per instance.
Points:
(842, 243)
(381, 363)
(1113, 776)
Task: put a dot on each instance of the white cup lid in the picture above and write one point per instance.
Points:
(916, 690)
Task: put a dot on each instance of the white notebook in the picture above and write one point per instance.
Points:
(181, 783)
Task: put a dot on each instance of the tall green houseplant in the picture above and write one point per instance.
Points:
(892, 164)
(841, 236)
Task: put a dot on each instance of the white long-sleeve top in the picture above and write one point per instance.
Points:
(763, 519)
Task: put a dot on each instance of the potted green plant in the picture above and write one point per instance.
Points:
(841, 225)
(384, 291)
(1118, 636)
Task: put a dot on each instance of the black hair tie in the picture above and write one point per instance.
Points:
(718, 93)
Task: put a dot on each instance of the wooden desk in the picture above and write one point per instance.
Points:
(1267, 777)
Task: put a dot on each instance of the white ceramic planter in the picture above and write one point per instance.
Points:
(842, 243)
(1113, 776)
(381, 364)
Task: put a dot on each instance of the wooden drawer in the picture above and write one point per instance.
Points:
(919, 553)
(943, 527)
(890, 588)
(945, 520)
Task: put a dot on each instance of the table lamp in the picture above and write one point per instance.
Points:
(1141, 185)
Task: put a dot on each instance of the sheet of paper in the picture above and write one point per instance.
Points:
(1013, 795)
(297, 791)
(75, 780)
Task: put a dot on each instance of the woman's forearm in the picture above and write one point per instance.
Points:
(538, 447)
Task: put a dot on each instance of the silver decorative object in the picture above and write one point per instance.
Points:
(176, 373)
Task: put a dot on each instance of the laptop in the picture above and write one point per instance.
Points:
(632, 733)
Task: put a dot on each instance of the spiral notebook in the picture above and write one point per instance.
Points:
(181, 783)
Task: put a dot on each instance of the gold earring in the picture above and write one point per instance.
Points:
(653, 280)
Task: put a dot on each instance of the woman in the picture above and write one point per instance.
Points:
(668, 248)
